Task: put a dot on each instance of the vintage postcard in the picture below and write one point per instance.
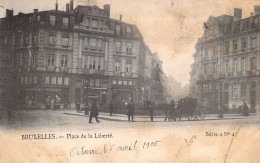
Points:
(130, 81)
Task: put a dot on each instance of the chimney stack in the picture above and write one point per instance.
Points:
(67, 7)
(35, 10)
(71, 5)
(121, 17)
(237, 14)
(56, 5)
(107, 9)
(9, 13)
(256, 10)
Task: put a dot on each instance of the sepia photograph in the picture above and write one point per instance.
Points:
(130, 81)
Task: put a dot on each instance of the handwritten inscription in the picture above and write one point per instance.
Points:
(79, 151)
(190, 140)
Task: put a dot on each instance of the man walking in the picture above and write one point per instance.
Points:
(111, 107)
(130, 108)
(94, 112)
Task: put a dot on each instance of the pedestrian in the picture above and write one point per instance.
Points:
(172, 110)
(130, 108)
(78, 106)
(245, 109)
(150, 109)
(93, 112)
(166, 110)
(111, 107)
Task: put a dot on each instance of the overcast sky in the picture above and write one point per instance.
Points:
(169, 27)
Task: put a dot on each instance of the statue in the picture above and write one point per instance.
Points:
(156, 74)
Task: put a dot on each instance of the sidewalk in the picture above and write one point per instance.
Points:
(142, 118)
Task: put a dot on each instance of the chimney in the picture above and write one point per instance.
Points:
(120, 17)
(107, 9)
(67, 7)
(237, 14)
(71, 5)
(9, 13)
(256, 10)
(56, 5)
(35, 10)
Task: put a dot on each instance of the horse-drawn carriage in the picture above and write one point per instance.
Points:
(187, 107)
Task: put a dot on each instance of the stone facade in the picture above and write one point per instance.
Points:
(69, 57)
(226, 68)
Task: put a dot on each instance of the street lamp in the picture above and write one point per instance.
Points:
(87, 85)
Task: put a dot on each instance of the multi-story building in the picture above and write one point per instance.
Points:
(69, 57)
(226, 68)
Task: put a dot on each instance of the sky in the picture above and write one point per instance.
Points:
(169, 27)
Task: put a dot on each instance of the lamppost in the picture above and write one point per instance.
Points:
(87, 85)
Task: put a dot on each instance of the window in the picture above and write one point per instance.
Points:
(227, 66)
(129, 47)
(253, 42)
(117, 66)
(50, 60)
(97, 83)
(93, 43)
(214, 68)
(65, 22)
(64, 61)
(253, 63)
(22, 79)
(114, 82)
(226, 86)
(120, 82)
(92, 82)
(206, 53)
(26, 40)
(125, 83)
(215, 51)
(235, 65)
(86, 42)
(99, 44)
(34, 79)
(235, 47)
(129, 31)
(34, 39)
(54, 80)
(243, 43)
(235, 90)
(118, 29)
(243, 89)
(52, 20)
(128, 67)
(59, 80)
(52, 39)
(94, 23)
(226, 47)
(92, 64)
(47, 80)
(18, 39)
(255, 22)
(33, 60)
(118, 46)
(130, 82)
(66, 81)
(205, 87)
(100, 63)
(243, 64)
(65, 41)
(26, 80)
